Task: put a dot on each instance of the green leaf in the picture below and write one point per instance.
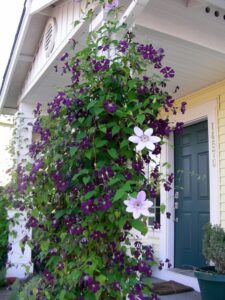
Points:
(91, 104)
(132, 83)
(82, 172)
(140, 226)
(113, 153)
(100, 143)
(162, 208)
(89, 195)
(98, 111)
(147, 282)
(73, 150)
(98, 295)
(75, 275)
(124, 143)
(62, 295)
(141, 118)
(101, 278)
(119, 195)
(35, 213)
(102, 128)
(88, 153)
(60, 213)
(86, 179)
(115, 130)
(122, 222)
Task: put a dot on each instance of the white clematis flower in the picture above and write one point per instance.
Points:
(144, 139)
(139, 206)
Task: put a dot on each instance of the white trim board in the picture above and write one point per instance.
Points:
(206, 111)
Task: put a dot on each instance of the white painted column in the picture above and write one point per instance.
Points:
(19, 263)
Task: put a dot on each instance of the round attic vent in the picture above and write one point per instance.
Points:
(49, 36)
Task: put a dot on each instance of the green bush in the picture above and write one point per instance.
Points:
(30, 289)
(3, 230)
(214, 246)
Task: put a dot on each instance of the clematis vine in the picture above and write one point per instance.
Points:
(144, 139)
(139, 206)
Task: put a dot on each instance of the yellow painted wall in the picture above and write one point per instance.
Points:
(216, 91)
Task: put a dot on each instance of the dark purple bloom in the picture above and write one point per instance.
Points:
(60, 266)
(89, 187)
(32, 223)
(149, 253)
(167, 186)
(103, 48)
(168, 215)
(93, 285)
(168, 72)
(49, 277)
(138, 165)
(156, 225)
(121, 160)
(76, 230)
(127, 175)
(88, 206)
(110, 106)
(104, 203)
(61, 185)
(37, 165)
(116, 286)
(142, 89)
(179, 127)
(37, 110)
(108, 134)
(148, 52)
(123, 45)
(183, 107)
(96, 235)
(52, 251)
(127, 226)
(104, 174)
(100, 65)
(55, 223)
(64, 56)
(85, 143)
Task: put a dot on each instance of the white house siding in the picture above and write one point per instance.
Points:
(65, 13)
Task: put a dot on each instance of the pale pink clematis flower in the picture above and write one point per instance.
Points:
(113, 5)
(139, 206)
(144, 139)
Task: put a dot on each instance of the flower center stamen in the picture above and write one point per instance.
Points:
(144, 138)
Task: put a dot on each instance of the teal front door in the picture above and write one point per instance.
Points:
(191, 194)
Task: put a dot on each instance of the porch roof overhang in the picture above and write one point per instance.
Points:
(25, 43)
(196, 54)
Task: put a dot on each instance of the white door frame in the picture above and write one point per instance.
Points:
(207, 111)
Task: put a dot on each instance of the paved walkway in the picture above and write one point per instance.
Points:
(184, 296)
(4, 293)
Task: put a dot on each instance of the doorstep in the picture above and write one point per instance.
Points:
(182, 276)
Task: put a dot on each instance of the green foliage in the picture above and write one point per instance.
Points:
(3, 230)
(15, 289)
(29, 290)
(214, 246)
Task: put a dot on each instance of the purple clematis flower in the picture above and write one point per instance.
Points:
(110, 106)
